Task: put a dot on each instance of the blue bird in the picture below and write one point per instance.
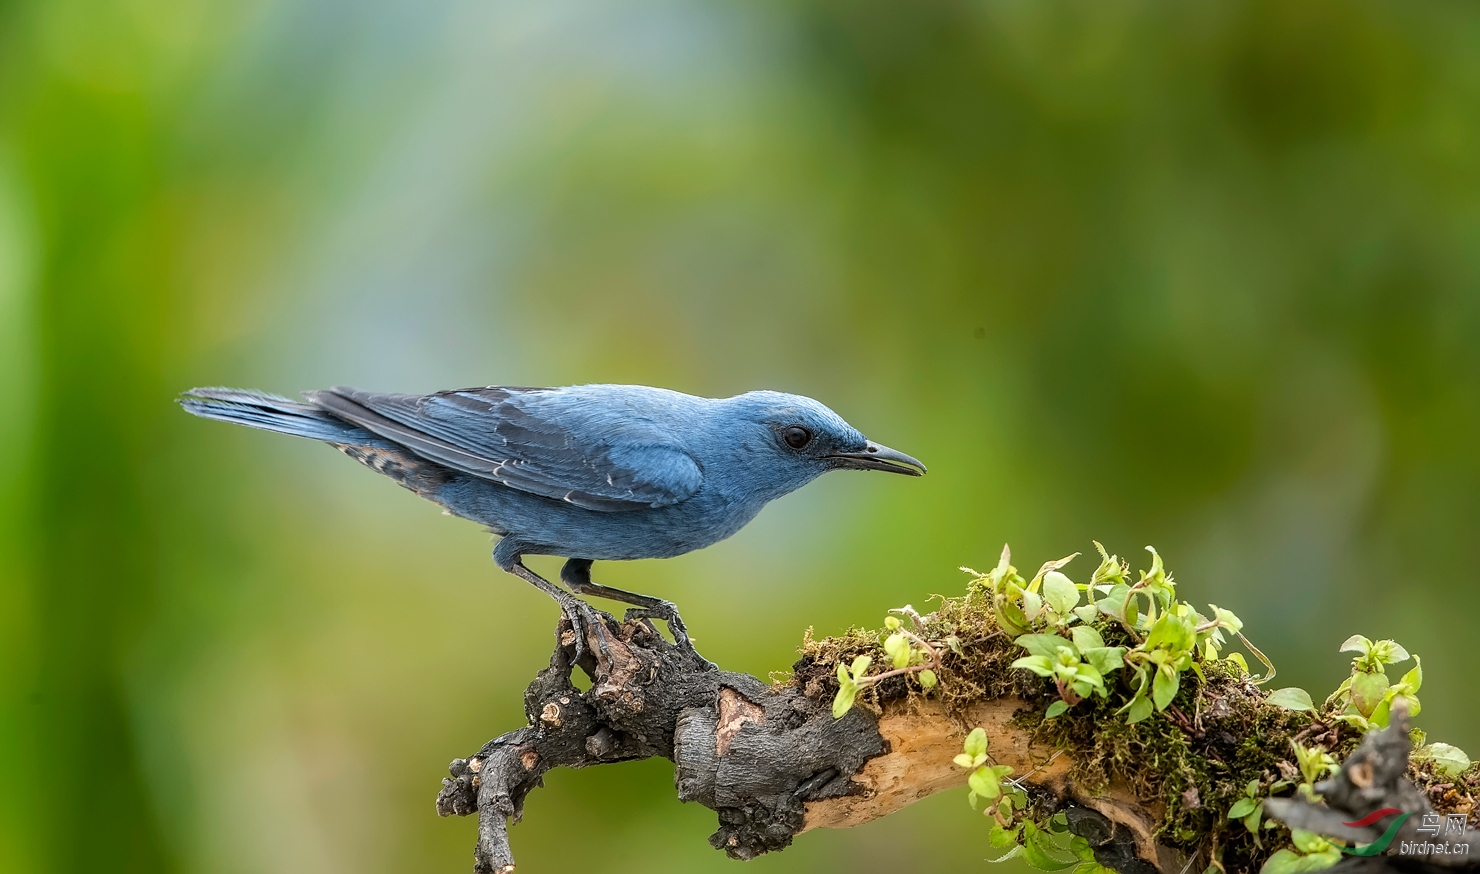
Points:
(589, 473)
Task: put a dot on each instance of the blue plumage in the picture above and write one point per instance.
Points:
(591, 472)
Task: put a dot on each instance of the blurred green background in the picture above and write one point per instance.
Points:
(1203, 275)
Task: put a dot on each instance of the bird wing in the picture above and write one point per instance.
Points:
(597, 456)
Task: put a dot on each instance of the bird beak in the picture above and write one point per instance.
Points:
(876, 457)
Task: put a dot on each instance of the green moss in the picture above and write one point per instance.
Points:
(1192, 761)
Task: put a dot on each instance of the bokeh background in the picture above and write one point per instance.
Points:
(1196, 275)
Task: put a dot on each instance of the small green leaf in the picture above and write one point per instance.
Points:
(1282, 862)
(897, 646)
(1251, 822)
(1448, 758)
(891, 623)
(1056, 709)
(1087, 612)
(1086, 638)
(1032, 605)
(1110, 569)
(860, 665)
(1113, 604)
(1308, 842)
(976, 743)
(1060, 593)
(1227, 619)
(1173, 633)
(1291, 698)
(1414, 678)
(1314, 761)
(1010, 854)
(1380, 716)
(1036, 850)
(1043, 644)
(1289, 862)
(1242, 808)
(1356, 643)
(1393, 652)
(927, 679)
(983, 781)
(1011, 616)
(1106, 658)
(1040, 665)
(1368, 690)
(964, 761)
(1001, 838)
(1089, 674)
(1138, 709)
(844, 702)
(1164, 686)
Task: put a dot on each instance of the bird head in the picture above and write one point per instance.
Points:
(801, 439)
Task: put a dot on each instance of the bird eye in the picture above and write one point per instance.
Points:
(797, 437)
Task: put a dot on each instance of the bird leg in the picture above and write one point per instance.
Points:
(576, 574)
(578, 613)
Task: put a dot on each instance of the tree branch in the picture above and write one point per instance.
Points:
(772, 761)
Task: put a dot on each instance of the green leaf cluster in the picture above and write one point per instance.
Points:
(1171, 637)
(1013, 831)
(1249, 810)
(1118, 649)
(1048, 847)
(1077, 665)
(1049, 600)
(907, 653)
(1314, 764)
(1365, 700)
(985, 780)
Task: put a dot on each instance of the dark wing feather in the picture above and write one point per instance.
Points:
(597, 456)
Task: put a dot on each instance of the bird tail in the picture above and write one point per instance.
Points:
(257, 409)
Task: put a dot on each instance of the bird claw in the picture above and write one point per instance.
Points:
(668, 612)
(581, 617)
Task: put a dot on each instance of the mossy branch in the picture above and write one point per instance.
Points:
(1148, 794)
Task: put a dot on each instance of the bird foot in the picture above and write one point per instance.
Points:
(585, 620)
(668, 612)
